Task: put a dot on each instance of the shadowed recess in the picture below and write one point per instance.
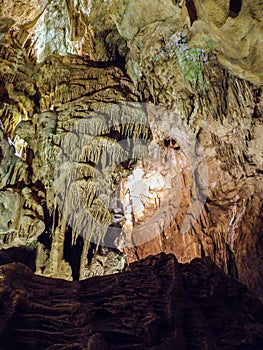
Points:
(234, 8)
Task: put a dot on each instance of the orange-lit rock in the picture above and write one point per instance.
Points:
(90, 91)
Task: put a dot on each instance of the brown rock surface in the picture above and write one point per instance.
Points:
(156, 304)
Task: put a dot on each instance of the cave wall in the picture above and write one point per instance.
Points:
(88, 84)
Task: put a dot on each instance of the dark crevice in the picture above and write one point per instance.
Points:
(45, 239)
(91, 252)
(36, 99)
(72, 253)
(190, 5)
(225, 97)
(169, 142)
(120, 61)
(231, 265)
(234, 8)
(203, 254)
(4, 97)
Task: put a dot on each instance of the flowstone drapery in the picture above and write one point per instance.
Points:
(85, 91)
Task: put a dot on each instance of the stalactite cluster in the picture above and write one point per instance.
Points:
(90, 90)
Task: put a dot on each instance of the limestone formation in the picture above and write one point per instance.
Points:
(94, 92)
(158, 304)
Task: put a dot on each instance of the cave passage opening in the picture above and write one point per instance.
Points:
(234, 8)
(190, 5)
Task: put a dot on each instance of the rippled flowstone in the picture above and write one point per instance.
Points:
(156, 304)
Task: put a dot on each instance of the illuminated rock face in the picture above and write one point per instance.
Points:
(161, 113)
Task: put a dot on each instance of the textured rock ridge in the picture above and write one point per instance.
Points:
(156, 304)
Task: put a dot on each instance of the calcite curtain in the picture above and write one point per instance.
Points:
(96, 95)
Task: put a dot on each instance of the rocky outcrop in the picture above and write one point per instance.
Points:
(205, 77)
(156, 304)
(24, 255)
(74, 118)
(87, 89)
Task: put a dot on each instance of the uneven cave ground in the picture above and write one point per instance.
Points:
(156, 304)
(131, 167)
